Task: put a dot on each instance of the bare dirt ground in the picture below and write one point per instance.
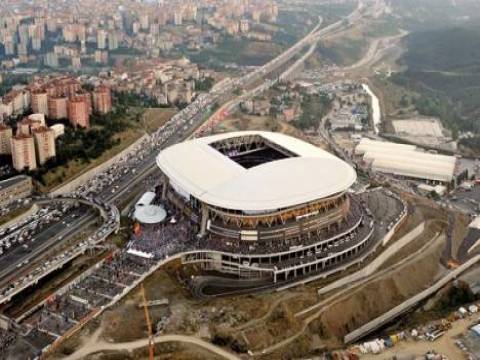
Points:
(202, 319)
(267, 321)
(362, 303)
(165, 347)
(262, 321)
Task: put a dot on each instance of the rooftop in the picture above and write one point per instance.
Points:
(254, 171)
(150, 214)
(406, 160)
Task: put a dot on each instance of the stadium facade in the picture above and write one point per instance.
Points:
(265, 205)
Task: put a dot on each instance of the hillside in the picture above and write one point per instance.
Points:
(418, 15)
(452, 49)
(444, 68)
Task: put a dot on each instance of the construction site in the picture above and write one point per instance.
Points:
(302, 320)
(413, 292)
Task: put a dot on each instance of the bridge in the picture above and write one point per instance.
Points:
(111, 224)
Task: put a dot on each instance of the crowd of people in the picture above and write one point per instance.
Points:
(68, 308)
(173, 235)
(7, 338)
(165, 239)
(278, 244)
(136, 157)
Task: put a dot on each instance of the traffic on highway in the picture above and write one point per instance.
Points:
(118, 182)
(35, 238)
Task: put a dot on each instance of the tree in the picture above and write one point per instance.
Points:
(204, 84)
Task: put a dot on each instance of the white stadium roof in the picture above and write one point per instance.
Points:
(366, 145)
(196, 168)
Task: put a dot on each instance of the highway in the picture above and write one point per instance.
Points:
(46, 242)
(43, 241)
(130, 183)
(15, 279)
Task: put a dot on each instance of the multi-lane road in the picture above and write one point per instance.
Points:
(10, 263)
(131, 183)
(31, 256)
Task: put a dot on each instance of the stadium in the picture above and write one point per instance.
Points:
(263, 206)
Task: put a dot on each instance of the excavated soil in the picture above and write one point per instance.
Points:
(375, 298)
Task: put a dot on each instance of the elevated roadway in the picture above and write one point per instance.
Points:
(15, 279)
(72, 224)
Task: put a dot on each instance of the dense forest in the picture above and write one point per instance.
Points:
(453, 49)
(421, 15)
(444, 67)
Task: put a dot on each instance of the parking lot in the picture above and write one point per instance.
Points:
(467, 200)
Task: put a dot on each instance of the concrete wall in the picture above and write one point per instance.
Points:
(62, 290)
(394, 229)
(408, 304)
(33, 209)
(83, 178)
(4, 322)
(377, 262)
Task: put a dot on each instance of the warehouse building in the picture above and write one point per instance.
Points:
(407, 161)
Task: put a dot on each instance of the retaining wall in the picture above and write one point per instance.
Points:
(377, 262)
(33, 209)
(408, 304)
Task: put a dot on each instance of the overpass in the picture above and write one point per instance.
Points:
(111, 224)
(107, 211)
(311, 40)
(176, 129)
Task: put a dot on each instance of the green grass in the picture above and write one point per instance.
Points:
(148, 121)
(344, 51)
(380, 28)
(240, 51)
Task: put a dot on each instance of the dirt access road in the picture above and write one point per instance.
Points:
(96, 345)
